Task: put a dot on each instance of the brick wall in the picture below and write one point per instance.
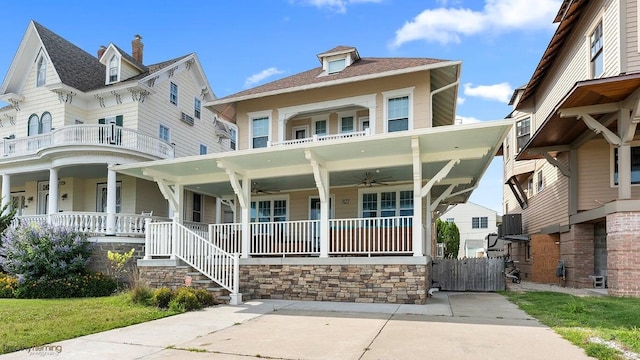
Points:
(370, 283)
(623, 253)
(577, 251)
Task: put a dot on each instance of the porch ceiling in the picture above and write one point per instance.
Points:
(557, 131)
(388, 156)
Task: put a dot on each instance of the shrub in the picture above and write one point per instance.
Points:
(204, 298)
(7, 285)
(86, 285)
(186, 297)
(162, 297)
(35, 251)
(142, 295)
(118, 263)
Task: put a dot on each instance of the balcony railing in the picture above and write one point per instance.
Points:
(92, 135)
(318, 138)
(93, 223)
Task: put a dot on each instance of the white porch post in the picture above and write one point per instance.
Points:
(6, 190)
(324, 214)
(218, 210)
(624, 171)
(245, 215)
(417, 236)
(372, 119)
(179, 193)
(428, 226)
(111, 201)
(53, 193)
(174, 234)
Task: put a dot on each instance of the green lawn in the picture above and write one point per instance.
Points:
(587, 321)
(28, 323)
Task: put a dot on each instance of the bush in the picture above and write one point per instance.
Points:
(7, 285)
(43, 252)
(162, 297)
(86, 285)
(204, 298)
(186, 297)
(142, 295)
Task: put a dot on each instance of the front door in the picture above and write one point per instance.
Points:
(17, 201)
(101, 197)
(43, 197)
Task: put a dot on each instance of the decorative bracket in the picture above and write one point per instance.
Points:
(439, 176)
(598, 128)
(117, 96)
(100, 100)
(15, 103)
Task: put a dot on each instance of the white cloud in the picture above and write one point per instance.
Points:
(461, 120)
(446, 25)
(339, 6)
(262, 75)
(461, 100)
(499, 92)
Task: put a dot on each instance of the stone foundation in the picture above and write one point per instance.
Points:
(99, 262)
(623, 253)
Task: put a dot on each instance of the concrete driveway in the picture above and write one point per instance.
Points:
(449, 326)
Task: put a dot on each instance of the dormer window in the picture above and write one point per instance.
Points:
(41, 76)
(113, 69)
(336, 65)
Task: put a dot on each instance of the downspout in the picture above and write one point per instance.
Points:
(436, 91)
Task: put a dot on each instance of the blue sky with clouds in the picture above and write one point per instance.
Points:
(246, 43)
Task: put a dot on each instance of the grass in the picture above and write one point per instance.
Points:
(587, 322)
(29, 323)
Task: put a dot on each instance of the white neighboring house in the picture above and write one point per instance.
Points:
(475, 222)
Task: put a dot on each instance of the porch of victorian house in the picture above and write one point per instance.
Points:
(356, 258)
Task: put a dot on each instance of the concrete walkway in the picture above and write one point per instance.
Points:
(450, 326)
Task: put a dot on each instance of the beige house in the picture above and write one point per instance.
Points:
(571, 162)
(72, 115)
(334, 185)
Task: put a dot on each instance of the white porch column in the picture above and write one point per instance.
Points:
(325, 209)
(53, 192)
(245, 215)
(218, 210)
(179, 193)
(6, 190)
(417, 235)
(111, 201)
(372, 119)
(428, 226)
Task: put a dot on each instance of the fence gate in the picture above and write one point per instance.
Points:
(475, 274)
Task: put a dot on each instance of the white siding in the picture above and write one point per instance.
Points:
(462, 216)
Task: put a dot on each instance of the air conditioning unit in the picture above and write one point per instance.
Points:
(511, 225)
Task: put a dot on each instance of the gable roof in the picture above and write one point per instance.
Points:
(364, 67)
(130, 58)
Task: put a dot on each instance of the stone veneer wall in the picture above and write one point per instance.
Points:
(98, 261)
(367, 283)
(623, 253)
(577, 251)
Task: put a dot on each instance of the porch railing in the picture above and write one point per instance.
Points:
(382, 235)
(228, 237)
(317, 138)
(94, 223)
(285, 238)
(201, 229)
(173, 239)
(98, 135)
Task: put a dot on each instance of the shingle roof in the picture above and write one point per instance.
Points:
(130, 58)
(76, 67)
(362, 67)
(156, 67)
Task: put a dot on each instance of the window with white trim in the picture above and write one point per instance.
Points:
(320, 127)
(540, 181)
(39, 124)
(196, 211)
(41, 72)
(269, 210)
(387, 203)
(597, 51)
(398, 114)
(523, 132)
(260, 132)
(233, 138)
(173, 94)
(481, 222)
(114, 69)
(346, 124)
(337, 65)
(164, 133)
(197, 108)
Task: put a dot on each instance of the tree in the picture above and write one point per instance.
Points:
(449, 234)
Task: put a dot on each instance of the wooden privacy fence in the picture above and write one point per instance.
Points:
(475, 274)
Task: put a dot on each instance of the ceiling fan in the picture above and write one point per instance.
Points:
(258, 190)
(370, 179)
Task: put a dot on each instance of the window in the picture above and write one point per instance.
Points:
(450, 220)
(173, 94)
(41, 75)
(269, 210)
(101, 197)
(260, 132)
(113, 69)
(530, 186)
(398, 114)
(299, 132)
(523, 132)
(232, 138)
(479, 222)
(164, 133)
(203, 149)
(507, 146)
(196, 213)
(39, 125)
(336, 65)
(597, 61)
(346, 124)
(635, 165)
(197, 108)
(387, 203)
(540, 181)
(321, 127)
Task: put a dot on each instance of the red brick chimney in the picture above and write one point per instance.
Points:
(101, 51)
(136, 48)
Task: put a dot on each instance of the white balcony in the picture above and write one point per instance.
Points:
(104, 136)
(319, 138)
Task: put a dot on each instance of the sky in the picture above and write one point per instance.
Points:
(242, 44)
